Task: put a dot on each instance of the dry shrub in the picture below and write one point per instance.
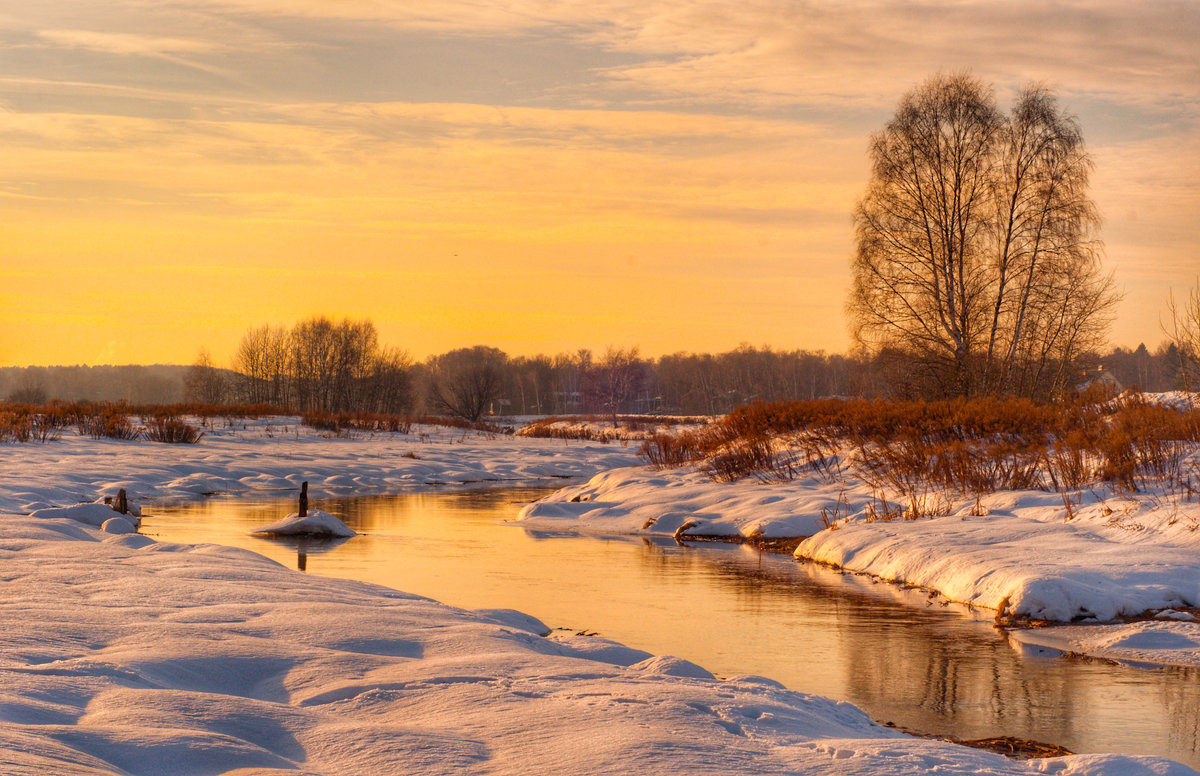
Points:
(880, 510)
(901, 466)
(751, 457)
(49, 422)
(370, 422)
(566, 428)
(109, 422)
(596, 428)
(15, 427)
(171, 430)
(465, 425)
(1069, 461)
(974, 446)
(665, 450)
(322, 421)
(986, 466)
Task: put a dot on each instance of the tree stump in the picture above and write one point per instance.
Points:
(303, 510)
(122, 504)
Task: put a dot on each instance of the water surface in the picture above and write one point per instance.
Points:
(899, 655)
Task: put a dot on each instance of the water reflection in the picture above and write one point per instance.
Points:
(898, 654)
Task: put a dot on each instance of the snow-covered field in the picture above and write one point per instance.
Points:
(125, 656)
(122, 655)
(277, 454)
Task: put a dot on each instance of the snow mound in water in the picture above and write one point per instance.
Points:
(315, 523)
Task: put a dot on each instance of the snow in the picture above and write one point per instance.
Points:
(1171, 614)
(90, 514)
(640, 500)
(277, 454)
(315, 523)
(1033, 569)
(125, 656)
(1145, 643)
(1180, 400)
(118, 525)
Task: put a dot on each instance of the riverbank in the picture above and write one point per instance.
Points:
(1085, 556)
(127, 656)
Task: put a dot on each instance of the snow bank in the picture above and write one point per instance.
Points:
(639, 500)
(277, 454)
(1031, 569)
(94, 514)
(1147, 643)
(123, 657)
(315, 523)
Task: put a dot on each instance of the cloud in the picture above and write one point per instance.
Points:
(127, 43)
(610, 140)
(751, 54)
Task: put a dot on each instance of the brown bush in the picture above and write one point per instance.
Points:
(369, 422)
(108, 422)
(975, 446)
(171, 430)
(667, 450)
(15, 427)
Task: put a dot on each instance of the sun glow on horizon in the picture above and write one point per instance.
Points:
(540, 179)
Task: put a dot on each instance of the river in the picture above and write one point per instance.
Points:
(900, 655)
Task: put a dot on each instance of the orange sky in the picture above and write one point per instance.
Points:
(538, 176)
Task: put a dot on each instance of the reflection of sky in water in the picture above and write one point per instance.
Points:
(898, 655)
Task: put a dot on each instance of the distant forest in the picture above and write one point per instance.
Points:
(581, 382)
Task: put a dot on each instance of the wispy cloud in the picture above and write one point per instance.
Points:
(128, 43)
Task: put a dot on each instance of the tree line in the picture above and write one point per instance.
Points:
(475, 382)
(322, 365)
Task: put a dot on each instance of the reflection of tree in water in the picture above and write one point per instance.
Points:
(1181, 697)
(910, 660)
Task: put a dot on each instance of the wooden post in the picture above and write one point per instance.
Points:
(122, 504)
(303, 512)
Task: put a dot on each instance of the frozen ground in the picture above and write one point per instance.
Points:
(277, 454)
(123, 656)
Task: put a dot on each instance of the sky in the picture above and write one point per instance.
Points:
(536, 176)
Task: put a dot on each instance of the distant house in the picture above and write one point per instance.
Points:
(1100, 378)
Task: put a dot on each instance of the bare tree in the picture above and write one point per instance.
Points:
(467, 381)
(1183, 328)
(610, 383)
(322, 365)
(30, 387)
(204, 383)
(977, 263)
